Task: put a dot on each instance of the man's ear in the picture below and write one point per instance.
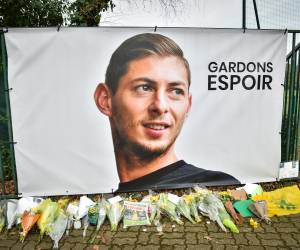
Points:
(102, 98)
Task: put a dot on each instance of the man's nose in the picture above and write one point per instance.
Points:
(159, 104)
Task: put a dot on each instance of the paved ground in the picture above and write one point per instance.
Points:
(283, 233)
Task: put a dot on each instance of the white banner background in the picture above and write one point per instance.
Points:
(64, 143)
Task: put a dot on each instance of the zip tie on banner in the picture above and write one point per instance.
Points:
(155, 28)
(9, 142)
(285, 31)
(58, 27)
(6, 90)
(4, 30)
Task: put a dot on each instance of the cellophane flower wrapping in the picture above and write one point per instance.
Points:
(26, 204)
(71, 212)
(63, 203)
(58, 227)
(201, 192)
(227, 222)
(184, 208)
(152, 199)
(114, 211)
(11, 213)
(2, 214)
(191, 199)
(84, 204)
(209, 206)
(49, 211)
(169, 208)
(28, 220)
(101, 217)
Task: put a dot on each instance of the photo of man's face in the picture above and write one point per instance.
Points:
(150, 105)
(146, 97)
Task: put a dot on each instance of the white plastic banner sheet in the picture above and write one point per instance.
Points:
(64, 143)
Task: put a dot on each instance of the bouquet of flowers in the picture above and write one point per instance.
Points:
(114, 211)
(49, 211)
(27, 221)
(2, 215)
(168, 207)
(210, 206)
(101, 217)
(184, 207)
(58, 227)
(227, 222)
(191, 199)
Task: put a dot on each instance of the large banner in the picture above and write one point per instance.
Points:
(168, 108)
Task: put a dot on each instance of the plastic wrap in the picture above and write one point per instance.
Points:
(26, 204)
(85, 222)
(184, 207)
(84, 204)
(227, 222)
(71, 212)
(28, 220)
(57, 228)
(260, 209)
(2, 215)
(11, 213)
(49, 211)
(169, 208)
(151, 199)
(192, 201)
(210, 206)
(114, 211)
(101, 217)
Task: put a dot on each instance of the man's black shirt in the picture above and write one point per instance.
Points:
(178, 175)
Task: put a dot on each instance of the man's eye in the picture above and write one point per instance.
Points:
(143, 88)
(178, 91)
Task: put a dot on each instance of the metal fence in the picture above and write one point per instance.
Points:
(290, 116)
(7, 157)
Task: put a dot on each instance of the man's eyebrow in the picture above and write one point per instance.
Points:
(143, 79)
(179, 83)
(151, 81)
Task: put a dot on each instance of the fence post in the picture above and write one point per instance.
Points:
(4, 77)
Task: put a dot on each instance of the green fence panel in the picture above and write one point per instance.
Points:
(10, 143)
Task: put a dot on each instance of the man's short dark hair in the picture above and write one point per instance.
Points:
(138, 47)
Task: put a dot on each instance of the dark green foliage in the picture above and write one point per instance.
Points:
(6, 161)
(45, 13)
(88, 12)
(32, 13)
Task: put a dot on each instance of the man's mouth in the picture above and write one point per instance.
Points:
(156, 129)
(156, 126)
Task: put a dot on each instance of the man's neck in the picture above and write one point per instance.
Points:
(131, 167)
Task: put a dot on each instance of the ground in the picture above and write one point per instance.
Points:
(283, 233)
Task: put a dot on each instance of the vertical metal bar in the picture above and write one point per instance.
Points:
(2, 175)
(298, 108)
(244, 15)
(8, 110)
(256, 14)
(291, 100)
(294, 108)
(284, 115)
